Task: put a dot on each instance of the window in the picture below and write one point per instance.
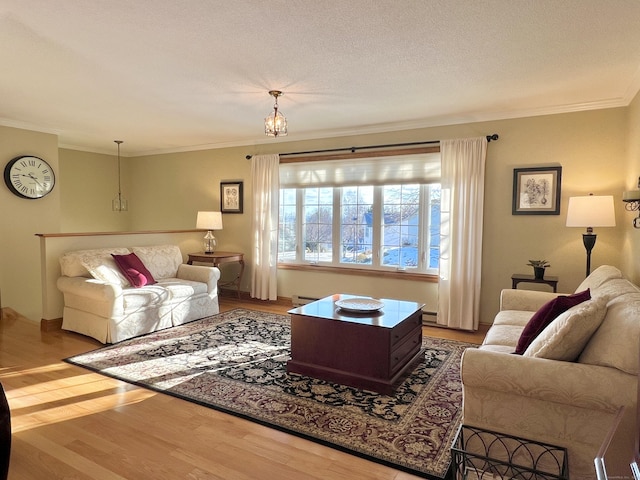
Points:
(356, 225)
(317, 224)
(362, 214)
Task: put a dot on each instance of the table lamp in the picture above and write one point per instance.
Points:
(591, 211)
(209, 221)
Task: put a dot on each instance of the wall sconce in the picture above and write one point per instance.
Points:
(631, 198)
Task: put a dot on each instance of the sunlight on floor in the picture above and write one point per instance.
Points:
(39, 403)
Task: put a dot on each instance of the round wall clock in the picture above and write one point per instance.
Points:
(29, 177)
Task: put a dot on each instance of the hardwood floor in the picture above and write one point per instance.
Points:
(69, 423)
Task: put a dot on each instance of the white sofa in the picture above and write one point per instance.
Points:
(567, 387)
(101, 303)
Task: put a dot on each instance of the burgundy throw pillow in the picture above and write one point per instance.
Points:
(547, 314)
(134, 270)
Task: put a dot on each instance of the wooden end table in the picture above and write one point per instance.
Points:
(550, 280)
(220, 258)
(373, 351)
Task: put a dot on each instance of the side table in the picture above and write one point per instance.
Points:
(550, 280)
(220, 258)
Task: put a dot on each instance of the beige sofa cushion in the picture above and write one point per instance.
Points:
(617, 342)
(599, 276)
(161, 260)
(565, 338)
(513, 317)
(614, 288)
(72, 264)
(139, 299)
(505, 331)
(503, 335)
(181, 289)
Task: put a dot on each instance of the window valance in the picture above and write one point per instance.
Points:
(380, 170)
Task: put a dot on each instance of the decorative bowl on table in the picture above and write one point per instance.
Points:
(360, 304)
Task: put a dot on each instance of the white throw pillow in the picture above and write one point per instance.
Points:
(617, 342)
(565, 337)
(104, 268)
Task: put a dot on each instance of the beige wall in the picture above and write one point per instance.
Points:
(171, 189)
(631, 250)
(90, 183)
(590, 148)
(596, 150)
(588, 145)
(21, 219)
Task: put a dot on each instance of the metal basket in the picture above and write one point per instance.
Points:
(479, 454)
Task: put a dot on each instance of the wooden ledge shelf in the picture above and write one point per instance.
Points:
(419, 277)
(98, 234)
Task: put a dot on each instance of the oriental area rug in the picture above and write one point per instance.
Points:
(235, 362)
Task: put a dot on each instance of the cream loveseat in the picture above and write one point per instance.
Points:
(567, 387)
(99, 301)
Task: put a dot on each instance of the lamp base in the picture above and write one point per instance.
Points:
(589, 241)
(209, 243)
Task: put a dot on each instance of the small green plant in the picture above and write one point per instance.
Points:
(539, 263)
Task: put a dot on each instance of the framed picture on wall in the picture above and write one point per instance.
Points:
(231, 197)
(536, 191)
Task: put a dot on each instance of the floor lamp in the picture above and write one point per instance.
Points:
(591, 211)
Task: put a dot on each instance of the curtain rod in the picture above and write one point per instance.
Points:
(493, 137)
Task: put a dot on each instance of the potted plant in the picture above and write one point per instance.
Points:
(538, 268)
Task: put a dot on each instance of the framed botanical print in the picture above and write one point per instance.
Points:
(536, 191)
(231, 197)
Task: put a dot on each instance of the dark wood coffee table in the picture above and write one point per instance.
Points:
(371, 350)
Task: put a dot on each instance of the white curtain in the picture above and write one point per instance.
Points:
(463, 165)
(264, 226)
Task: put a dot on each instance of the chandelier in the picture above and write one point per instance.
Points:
(275, 124)
(119, 203)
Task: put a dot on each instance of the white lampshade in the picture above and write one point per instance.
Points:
(591, 211)
(209, 221)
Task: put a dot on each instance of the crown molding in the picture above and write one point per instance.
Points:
(439, 121)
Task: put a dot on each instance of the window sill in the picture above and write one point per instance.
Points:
(363, 272)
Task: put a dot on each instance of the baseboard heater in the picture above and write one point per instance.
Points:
(299, 300)
(428, 318)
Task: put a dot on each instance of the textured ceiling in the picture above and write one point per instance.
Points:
(173, 75)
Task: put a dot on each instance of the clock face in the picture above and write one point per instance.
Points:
(29, 177)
